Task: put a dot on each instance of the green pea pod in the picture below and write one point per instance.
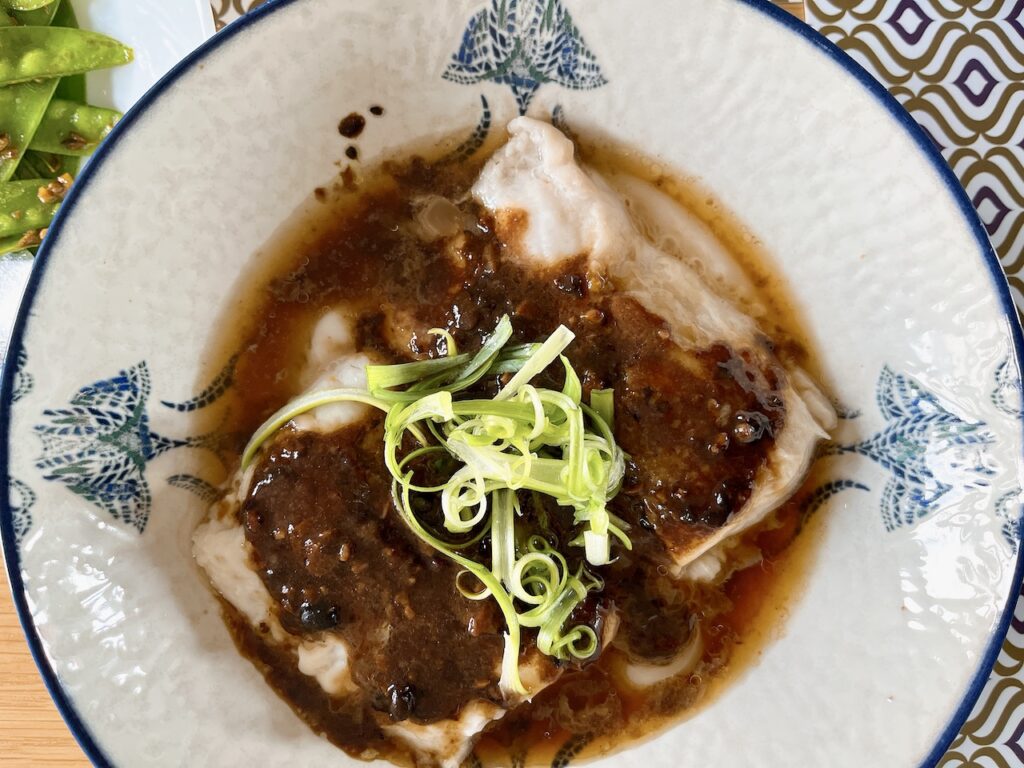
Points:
(12, 245)
(19, 108)
(41, 17)
(64, 16)
(45, 165)
(72, 87)
(21, 209)
(31, 53)
(68, 128)
(25, 5)
(22, 107)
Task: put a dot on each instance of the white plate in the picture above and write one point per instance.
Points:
(885, 652)
(162, 33)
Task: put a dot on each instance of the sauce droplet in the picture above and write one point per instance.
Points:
(352, 125)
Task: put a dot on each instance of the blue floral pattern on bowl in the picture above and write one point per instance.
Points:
(920, 435)
(524, 44)
(23, 381)
(1007, 394)
(100, 444)
(22, 499)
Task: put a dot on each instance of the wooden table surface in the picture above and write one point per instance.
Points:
(32, 733)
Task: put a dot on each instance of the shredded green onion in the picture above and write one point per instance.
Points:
(530, 439)
(603, 403)
(301, 405)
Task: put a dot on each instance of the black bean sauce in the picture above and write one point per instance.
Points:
(337, 559)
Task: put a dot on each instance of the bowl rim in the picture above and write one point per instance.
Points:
(89, 744)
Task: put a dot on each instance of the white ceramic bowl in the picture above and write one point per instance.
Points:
(884, 653)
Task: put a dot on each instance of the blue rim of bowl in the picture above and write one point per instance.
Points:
(63, 701)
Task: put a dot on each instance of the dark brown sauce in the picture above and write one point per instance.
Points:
(336, 557)
(352, 125)
(353, 251)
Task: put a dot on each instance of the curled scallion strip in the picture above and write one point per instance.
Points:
(301, 405)
(526, 438)
(603, 403)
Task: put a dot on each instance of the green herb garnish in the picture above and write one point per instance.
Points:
(526, 438)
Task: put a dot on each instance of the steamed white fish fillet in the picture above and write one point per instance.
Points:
(327, 660)
(219, 544)
(449, 742)
(570, 211)
(221, 550)
(676, 231)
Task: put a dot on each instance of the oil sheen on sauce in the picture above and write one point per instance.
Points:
(290, 288)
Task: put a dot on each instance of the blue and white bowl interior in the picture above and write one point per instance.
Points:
(109, 398)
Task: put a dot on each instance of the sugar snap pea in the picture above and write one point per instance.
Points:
(15, 248)
(72, 87)
(64, 16)
(21, 210)
(10, 245)
(41, 17)
(22, 107)
(40, 168)
(30, 53)
(43, 54)
(68, 128)
(45, 165)
(25, 5)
